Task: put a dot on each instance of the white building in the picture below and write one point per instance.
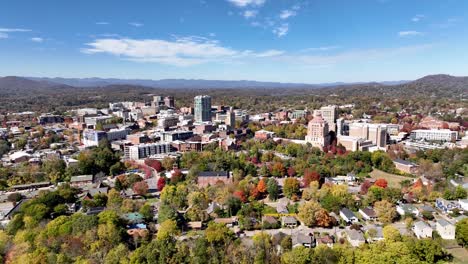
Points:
(445, 229)
(145, 150)
(435, 134)
(463, 204)
(422, 230)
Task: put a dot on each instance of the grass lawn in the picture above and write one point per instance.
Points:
(460, 255)
(392, 179)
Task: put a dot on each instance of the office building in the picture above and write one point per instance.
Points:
(374, 132)
(145, 150)
(329, 114)
(202, 108)
(434, 135)
(317, 131)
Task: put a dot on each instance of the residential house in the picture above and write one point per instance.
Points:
(206, 178)
(405, 166)
(446, 206)
(355, 238)
(229, 222)
(368, 214)
(196, 225)
(81, 180)
(289, 221)
(463, 204)
(426, 208)
(407, 209)
(445, 229)
(326, 240)
(422, 230)
(348, 216)
(270, 222)
(281, 208)
(301, 239)
(374, 233)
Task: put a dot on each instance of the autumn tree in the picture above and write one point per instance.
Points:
(261, 187)
(310, 176)
(382, 183)
(307, 212)
(155, 164)
(291, 187)
(385, 211)
(140, 188)
(323, 219)
(161, 183)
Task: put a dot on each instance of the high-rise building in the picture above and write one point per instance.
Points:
(169, 101)
(329, 114)
(374, 132)
(230, 119)
(202, 108)
(317, 131)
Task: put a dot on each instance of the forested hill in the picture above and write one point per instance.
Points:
(21, 94)
(441, 86)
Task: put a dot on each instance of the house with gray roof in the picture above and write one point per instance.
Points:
(302, 239)
(445, 229)
(422, 230)
(289, 221)
(348, 216)
(355, 238)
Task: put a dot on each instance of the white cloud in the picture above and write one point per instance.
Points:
(285, 14)
(417, 18)
(282, 30)
(244, 3)
(212, 34)
(38, 40)
(102, 23)
(324, 48)
(14, 30)
(270, 53)
(409, 33)
(250, 14)
(4, 31)
(136, 24)
(353, 56)
(182, 51)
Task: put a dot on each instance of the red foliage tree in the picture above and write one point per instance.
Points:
(261, 186)
(254, 193)
(176, 176)
(155, 164)
(161, 183)
(291, 172)
(382, 183)
(365, 186)
(241, 195)
(310, 176)
(140, 188)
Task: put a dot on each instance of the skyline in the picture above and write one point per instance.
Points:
(261, 40)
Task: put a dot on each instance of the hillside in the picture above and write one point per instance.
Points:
(20, 94)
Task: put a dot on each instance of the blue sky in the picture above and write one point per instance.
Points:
(311, 41)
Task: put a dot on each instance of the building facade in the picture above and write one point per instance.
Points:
(202, 108)
(317, 132)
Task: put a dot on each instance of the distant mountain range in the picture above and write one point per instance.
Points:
(48, 95)
(192, 83)
(432, 85)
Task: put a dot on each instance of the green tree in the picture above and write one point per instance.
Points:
(272, 189)
(307, 212)
(291, 187)
(385, 211)
(461, 232)
(167, 229)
